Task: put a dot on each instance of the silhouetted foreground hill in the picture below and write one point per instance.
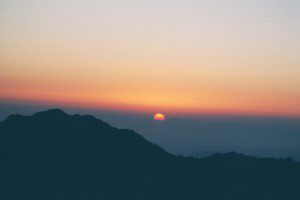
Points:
(55, 156)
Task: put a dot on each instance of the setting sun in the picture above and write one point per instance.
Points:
(159, 117)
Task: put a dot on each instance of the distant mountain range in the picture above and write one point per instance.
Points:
(282, 154)
(55, 156)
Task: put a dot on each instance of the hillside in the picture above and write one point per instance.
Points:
(55, 156)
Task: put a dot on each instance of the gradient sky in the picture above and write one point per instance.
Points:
(187, 56)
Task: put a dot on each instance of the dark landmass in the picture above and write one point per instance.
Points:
(55, 156)
(203, 154)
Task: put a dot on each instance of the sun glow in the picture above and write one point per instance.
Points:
(159, 117)
(170, 62)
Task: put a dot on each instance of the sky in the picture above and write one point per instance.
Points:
(169, 56)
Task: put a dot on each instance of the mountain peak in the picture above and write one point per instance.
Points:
(52, 112)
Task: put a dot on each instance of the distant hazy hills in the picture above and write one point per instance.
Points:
(55, 156)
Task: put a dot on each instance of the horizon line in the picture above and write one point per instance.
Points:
(137, 109)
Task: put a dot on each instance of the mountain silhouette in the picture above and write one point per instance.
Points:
(55, 156)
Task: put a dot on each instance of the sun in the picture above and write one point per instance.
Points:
(159, 117)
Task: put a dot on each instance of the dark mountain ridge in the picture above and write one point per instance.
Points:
(53, 155)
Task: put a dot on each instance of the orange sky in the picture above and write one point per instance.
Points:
(184, 57)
